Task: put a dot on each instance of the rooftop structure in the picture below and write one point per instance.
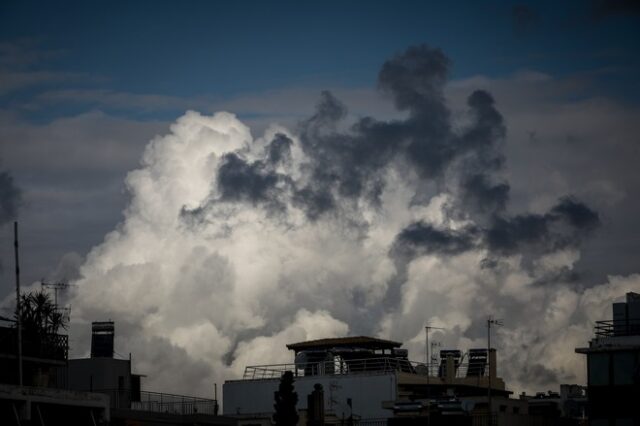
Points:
(364, 378)
(102, 339)
(613, 366)
(105, 374)
(349, 343)
(42, 355)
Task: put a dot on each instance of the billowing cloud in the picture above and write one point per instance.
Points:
(232, 246)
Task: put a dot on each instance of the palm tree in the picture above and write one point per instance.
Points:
(40, 321)
(39, 315)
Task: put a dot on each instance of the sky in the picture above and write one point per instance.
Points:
(222, 179)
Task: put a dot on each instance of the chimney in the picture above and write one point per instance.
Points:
(102, 335)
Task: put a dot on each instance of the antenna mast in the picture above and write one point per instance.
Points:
(490, 322)
(18, 308)
(61, 285)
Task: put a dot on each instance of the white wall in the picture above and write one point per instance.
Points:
(367, 391)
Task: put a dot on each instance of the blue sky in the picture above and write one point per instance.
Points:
(221, 49)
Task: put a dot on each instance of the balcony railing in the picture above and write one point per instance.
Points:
(160, 402)
(43, 346)
(359, 366)
(614, 328)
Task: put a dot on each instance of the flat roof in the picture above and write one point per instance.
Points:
(344, 342)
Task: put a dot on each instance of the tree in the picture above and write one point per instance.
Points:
(285, 402)
(39, 315)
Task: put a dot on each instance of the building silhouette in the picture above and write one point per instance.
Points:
(613, 367)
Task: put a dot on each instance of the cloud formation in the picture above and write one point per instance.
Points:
(232, 246)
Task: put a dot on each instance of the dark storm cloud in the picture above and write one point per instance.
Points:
(279, 149)
(10, 196)
(488, 129)
(241, 180)
(415, 79)
(419, 239)
(349, 165)
(343, 165)
(605, 8)
(524, 19)
(566, 225)
(314, 201)
(483, 158)
(484, 196)
(423, 238)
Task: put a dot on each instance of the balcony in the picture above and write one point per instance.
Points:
(159, 402)
(616, 328)
(360, 366)
(52, 347)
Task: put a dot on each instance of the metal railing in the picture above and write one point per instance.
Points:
(160, 402)
(370, 422)
(358, 366)
(613, 328)
(44, 346)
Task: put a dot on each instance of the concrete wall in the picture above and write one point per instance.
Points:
(98, 374)
(367, 391)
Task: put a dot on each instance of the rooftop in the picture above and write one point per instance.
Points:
(344, 342)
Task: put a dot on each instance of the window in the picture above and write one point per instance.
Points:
(623, 368)
(516, 410)
(598, 369)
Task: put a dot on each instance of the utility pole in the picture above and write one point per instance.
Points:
(490, 322)
(18, 310)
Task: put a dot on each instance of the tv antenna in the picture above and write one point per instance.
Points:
(56, 286)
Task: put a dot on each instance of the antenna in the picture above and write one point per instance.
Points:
(495, 322)
(61, 285)
(58, 286)
(18, 309)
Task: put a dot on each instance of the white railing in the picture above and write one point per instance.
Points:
(368, 365)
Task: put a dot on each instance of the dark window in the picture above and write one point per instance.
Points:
(598, 369)
(516, 410)
(135, 388)
(503, 408)
(623, 368)
(120, 382)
